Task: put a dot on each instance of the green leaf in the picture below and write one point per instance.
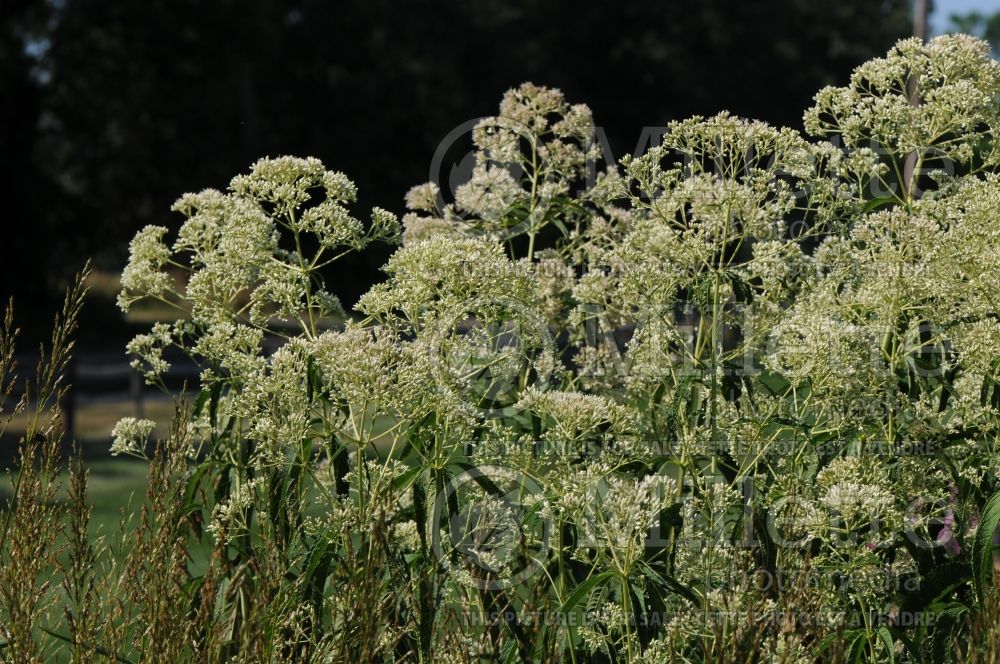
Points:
(857, 648)
(213, 404)
(509, 652)
(406, 479)
(313, 382)
(200, 402)
(315, 573)
(584, 590)
(852, 637)
(877, 203)
(831, 638)
(936, 583)
(557, 222)
(638, 597)
(480, 478)
(98, 649)
(670, 583)
(742, 291)
(946, 620)
(774, 383)
(338, 459)
(982, 545)
(886, 637)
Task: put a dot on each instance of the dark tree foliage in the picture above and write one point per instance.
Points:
(132, 103)
(24, 188)
(982, 25)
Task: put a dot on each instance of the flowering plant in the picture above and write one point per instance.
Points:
(682, 410)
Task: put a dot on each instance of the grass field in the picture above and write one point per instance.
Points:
(116, 485)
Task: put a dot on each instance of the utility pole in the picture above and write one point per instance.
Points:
(921, 9)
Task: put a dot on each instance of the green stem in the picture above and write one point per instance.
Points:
(627, 610)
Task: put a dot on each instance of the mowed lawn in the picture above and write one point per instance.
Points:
(115, 488)
(116, 485)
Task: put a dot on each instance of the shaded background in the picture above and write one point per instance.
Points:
(110, 109)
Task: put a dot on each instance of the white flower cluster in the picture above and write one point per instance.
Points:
(572, 417)
(744, 336)
(959, 83)
(615, 515)
(441, 277)
(147, 350)
(860, 496)
(230, 516)
(529, 160)
(144, 274)
(130, 436)
(227, 255)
